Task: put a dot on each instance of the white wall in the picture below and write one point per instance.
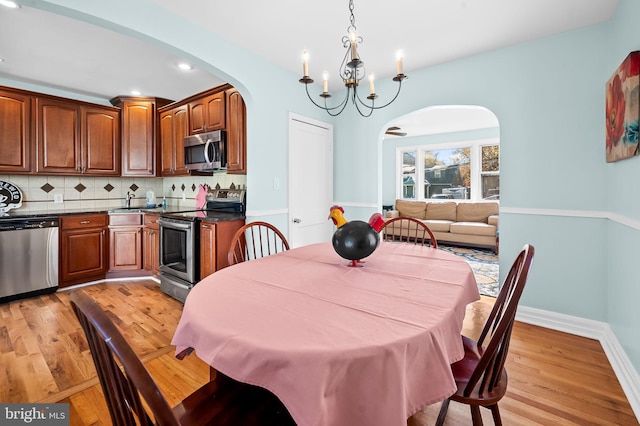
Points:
(623, 203)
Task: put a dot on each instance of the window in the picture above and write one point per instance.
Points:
(490, 172)
(461, 171)
(409, 175)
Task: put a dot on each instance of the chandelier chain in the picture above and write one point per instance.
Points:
(352, 20)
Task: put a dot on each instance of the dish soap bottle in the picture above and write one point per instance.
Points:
(164, 204)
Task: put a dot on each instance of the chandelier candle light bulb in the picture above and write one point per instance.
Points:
(305, 64)
(372, 89)
(325, 82)
(399, 61)
(354, 45)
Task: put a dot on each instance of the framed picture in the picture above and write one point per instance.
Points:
(623, 109)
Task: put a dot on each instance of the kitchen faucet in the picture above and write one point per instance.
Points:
(127, 200)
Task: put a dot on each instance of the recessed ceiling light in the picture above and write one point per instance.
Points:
(136, 93)
(11, 4)
(184, 66)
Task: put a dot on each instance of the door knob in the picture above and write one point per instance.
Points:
(296, 220)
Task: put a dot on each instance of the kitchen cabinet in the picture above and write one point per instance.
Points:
(215, 241)
(15, 132)
(208, 251)
(125, 241)
(236, 133)
(139, 129)
(207, 113)
(151, 244)
(74, 138)
(218, 108)
(174, 127)
(84, 249)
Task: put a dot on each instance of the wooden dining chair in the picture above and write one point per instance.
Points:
(255, 240)
(408, 229)
(126, 383)
(481, 376)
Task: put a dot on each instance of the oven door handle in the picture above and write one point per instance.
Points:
(174, 225)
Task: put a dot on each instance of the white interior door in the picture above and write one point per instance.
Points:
(310, 181)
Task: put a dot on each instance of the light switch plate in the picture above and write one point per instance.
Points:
(57, 198)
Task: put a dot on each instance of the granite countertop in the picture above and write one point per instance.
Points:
(211, 217)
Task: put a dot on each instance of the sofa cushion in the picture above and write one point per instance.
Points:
(473, 228)
(476, 212)
(415, 209)
(438, 225)
(441, 211)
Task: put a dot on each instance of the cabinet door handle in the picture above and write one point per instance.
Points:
(84, 222)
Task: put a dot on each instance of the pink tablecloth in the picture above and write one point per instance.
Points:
(338, 345)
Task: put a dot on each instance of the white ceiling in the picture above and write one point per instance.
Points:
(49, 50)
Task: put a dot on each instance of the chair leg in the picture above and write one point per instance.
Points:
(443, 412)
(476, 417)
(496, 414)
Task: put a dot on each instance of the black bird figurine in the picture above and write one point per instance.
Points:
(354, 240)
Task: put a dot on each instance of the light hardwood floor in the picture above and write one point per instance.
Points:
(554, 378)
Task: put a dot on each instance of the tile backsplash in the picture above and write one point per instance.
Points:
(80, 192)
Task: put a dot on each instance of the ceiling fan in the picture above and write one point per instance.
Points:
(393, 130)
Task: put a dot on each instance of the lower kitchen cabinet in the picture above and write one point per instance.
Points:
(151, 244)
(215, 240)
(125, 242)
(84, 248)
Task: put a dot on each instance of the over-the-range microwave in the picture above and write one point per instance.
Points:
(206, 151)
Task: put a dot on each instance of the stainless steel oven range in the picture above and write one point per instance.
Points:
(178, 256)
(180, 240)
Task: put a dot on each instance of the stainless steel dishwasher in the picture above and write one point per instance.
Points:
(28, 257)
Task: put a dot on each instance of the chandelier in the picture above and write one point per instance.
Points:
(352, 71)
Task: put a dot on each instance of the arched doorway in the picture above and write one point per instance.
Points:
(447, 153)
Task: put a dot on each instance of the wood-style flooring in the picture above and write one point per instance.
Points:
(554, 378)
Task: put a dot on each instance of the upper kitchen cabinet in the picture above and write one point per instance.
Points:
(100, 129)
(139, 127)
(236, 133)
(174, 127)
(207, 113)
(76, 138)
(15, 132)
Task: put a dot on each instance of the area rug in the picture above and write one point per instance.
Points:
(484, 264)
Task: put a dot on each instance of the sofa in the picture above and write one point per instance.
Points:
(473, 224)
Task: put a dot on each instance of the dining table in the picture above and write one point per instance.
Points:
(339, 345)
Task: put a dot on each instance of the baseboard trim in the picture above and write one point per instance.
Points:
(601, 331)
(107, 280)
